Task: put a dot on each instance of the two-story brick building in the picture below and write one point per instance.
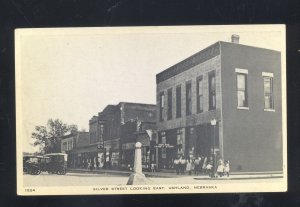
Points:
(106, 131)
(239, 86)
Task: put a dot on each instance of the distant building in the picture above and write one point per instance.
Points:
(106, 142)
(78, 148)
(67, 143)
(139, 131)
(113, 117)
(239, 86)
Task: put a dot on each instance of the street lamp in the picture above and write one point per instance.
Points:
(213, 122)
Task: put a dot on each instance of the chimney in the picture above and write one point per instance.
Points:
(235, 38)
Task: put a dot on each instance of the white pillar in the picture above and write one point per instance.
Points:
(138, 158)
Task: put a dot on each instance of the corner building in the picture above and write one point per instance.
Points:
(239, 86)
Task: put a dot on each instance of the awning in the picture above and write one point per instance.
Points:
(90, 148)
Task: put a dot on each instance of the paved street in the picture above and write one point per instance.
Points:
(86, 179)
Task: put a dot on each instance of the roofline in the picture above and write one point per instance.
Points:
(185, 64)
(134, 103)
(195, 59)
(239, 44)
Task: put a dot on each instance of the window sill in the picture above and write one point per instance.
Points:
(243, 108)
(270, 110)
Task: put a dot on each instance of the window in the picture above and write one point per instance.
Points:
(169, 115)
(178, 101)
(212, 90)
(199, 94)
(242, 96)
(161, 106)
(268, 92)
(188, 98)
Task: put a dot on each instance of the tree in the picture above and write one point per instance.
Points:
(48, 137)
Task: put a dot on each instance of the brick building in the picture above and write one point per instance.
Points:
(239, 86)
(108, 133)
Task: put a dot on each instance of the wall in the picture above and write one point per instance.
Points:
(195, 118)
(93, 129)
(252, 138)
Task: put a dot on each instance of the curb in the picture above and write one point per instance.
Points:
(244, 178)
(162, 175)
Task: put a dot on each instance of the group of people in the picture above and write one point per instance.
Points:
(201, 165)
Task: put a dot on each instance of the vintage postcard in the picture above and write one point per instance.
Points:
(151, 110)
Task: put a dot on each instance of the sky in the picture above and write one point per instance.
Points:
(72, 74)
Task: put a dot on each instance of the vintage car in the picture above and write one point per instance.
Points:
(31, 164)
(54, 163)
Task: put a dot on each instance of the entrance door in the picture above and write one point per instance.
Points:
(203, 143)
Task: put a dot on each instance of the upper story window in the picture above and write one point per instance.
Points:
(212, 90)
(268, 91)
(161, 106)
(169, 114)
(178, 101)
(242, 93)
(188, 98)
(199, 94)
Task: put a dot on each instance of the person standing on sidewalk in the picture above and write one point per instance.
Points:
(189, 167)
(152, 167)
(176, 165)
(183, 165)
(197, 162)
(204, 165)
(226, 168)
(220, 169)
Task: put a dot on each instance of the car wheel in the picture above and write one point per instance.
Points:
(61, 171)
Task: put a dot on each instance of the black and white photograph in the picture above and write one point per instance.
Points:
(151, 110)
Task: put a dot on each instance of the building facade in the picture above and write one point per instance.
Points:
(118, 135)
(223, 101)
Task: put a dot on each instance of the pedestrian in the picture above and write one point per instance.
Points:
(220, 168)
(89, 167)
(182, 162)
(226, 168)
(209, 169)
(204, 165)
(189, 167)
(152, 167)
(197, 165)
(176, 165)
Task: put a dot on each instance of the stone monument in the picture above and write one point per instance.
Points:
(137, 177)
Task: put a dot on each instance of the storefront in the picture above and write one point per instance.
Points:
(188, 142)
(112, 153)
(81, 157)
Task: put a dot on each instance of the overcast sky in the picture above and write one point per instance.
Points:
(72, 74)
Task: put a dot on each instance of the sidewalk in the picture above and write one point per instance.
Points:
(172, 174)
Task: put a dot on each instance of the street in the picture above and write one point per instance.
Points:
(86, 179)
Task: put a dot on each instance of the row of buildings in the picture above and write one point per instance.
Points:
(224, 100)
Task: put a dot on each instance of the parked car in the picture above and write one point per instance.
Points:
(54, 163)
(31, 164)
